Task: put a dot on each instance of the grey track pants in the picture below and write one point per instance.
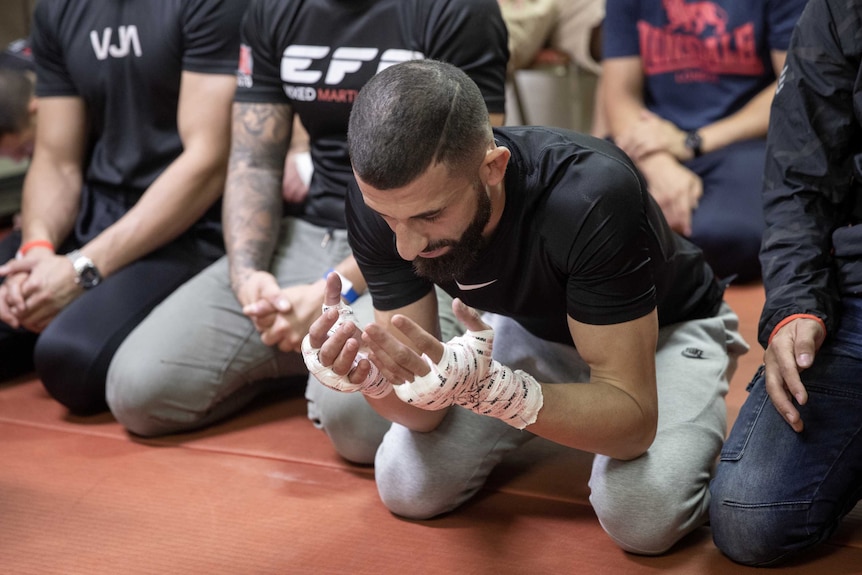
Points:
(646, 504)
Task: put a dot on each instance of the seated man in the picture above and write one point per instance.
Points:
(236, 328)
(789, 472)
(610, 333)
(120, 200)
(686, 89)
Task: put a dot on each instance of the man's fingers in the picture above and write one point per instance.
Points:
(15, 266)
(807, 339)
(422, 341)
(319, 330)
(339, 351)
(332, 296)
(397, 361)
(780, 394)
(471, 318)
(259, 309)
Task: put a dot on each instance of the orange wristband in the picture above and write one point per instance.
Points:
(790, 318)
(26, 247)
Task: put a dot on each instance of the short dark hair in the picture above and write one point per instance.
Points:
(16, 89)
(415, 113)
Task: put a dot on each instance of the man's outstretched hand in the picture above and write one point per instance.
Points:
(332, 348)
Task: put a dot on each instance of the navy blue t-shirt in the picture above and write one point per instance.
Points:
(703, 60)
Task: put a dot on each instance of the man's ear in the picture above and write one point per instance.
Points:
(32, 105)
(494, 166)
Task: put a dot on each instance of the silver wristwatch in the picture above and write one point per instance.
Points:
(88, 274)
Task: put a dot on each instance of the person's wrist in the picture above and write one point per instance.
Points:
(792, 318)
(693, 144)
(26, 247)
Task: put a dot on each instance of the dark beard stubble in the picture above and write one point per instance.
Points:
(463, 253)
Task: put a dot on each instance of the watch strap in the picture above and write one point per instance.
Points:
(693, 142)
(87, 273)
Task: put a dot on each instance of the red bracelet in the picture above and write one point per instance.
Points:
(790, 318)
(26, 247)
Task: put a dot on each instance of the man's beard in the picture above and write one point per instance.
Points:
(463, 252)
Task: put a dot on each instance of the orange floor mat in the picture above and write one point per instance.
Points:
(263, 493)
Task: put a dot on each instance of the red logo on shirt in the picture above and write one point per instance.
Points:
(245, 67)
(697, 44)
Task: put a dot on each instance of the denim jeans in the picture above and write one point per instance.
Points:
(777, 492)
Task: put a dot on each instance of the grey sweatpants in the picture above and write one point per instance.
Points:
(197, 359)
(646, 504)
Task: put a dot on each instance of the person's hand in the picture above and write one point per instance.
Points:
(675, 188)
(294, 189)
(651, 134)
(11, 300)
(283, 317)
(400, 362)
(333, 351)
(262, 301)
(40, 286)
(790, 352)
(459, 372)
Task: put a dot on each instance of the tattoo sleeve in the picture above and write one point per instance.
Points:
(252, 204)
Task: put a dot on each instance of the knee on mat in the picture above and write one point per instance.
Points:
(759, 536)
(352, 426)
(411, 497)
(70, 373)
(648, 523)
(138, 399)
(354, 440)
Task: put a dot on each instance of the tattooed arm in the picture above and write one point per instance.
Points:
(252, 214)
(252, 198)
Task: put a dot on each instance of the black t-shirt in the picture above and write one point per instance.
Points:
(316, 55)
(579, 236)
(125, 60)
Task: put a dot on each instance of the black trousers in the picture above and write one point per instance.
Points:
(72, 355)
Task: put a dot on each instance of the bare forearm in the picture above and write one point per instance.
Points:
(595, 418)
(622, 113)
(50, 201)
(751, 121)
(169, 207)
(393, 409)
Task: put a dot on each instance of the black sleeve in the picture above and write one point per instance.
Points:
(813, 137)
(601, 240)
(211, 35)
(258, 78)
(51, 73)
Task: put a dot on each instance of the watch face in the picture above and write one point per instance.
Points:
(692, 141)
(89, 277)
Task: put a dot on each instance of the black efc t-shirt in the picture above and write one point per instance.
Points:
(315, 55)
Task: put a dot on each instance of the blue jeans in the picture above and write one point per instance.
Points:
(777, 492)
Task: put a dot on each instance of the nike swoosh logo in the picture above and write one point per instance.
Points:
(473, 286)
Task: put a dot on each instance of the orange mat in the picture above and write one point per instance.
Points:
(263, 493)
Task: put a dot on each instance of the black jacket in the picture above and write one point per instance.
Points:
(812, 247)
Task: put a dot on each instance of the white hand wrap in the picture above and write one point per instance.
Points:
(374, 385)
(467, 376)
